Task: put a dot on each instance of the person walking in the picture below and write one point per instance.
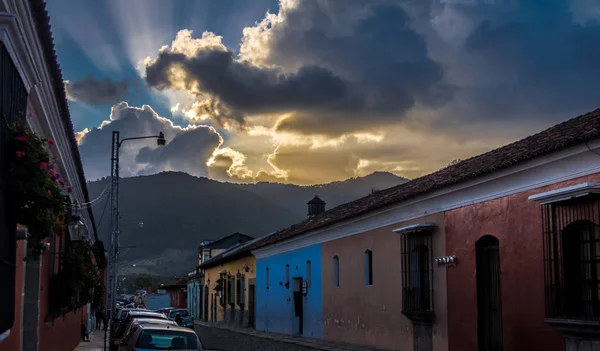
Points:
(99, 318)
(85, 336)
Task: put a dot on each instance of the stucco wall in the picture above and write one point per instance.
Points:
(516, 222)
(233, 268)
(62, 333)
(275, 307)
(13, 341)
(372, 315)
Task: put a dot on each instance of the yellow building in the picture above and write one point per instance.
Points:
(230, 281)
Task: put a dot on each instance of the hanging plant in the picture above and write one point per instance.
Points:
(33, 184)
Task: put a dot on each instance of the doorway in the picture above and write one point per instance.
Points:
(251, 306)
(298, 306)
(489, 294)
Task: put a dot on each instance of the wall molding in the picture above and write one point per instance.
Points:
(573, 162)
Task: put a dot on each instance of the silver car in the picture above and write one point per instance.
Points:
(145, 337)
(141, 321)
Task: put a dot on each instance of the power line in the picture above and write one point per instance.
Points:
(102, 215)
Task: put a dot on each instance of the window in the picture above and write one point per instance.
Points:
(368, 267)
(241, 288)
(287, 276)
(417, 277)
(267, 278)
(572, 258)
(231, 290)
(336, 271)
(308, 274)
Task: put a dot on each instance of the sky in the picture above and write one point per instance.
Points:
(313, 91)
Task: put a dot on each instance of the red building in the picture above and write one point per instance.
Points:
(34, 315)
(178, 293)
(497, 252)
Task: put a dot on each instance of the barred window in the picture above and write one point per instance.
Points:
(240, 290)
(572, 258)
(231, 290)
(417, 271)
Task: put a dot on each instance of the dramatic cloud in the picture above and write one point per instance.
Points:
(325, 90)
(187, 149)
(329, 74)
(95, 91)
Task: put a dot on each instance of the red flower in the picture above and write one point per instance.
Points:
(49, 192)
(43, 165)
(21, 138)
(50, 141)
(61, 183)
(20, 154)
(52, 174)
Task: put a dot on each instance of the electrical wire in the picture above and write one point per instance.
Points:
(90, 203)
(103, 211)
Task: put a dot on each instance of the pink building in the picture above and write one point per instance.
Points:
(32, 90)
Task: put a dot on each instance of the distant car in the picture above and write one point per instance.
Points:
(160, 337)
(165, 310)
(187, 319)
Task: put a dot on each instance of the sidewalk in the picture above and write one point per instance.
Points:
(96, 342)
(317, 344)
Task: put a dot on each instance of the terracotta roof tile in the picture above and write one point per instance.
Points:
(42, 20)
(569, 133)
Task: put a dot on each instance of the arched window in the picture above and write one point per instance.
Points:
(308, 274)
(336, 271)
(368, 267)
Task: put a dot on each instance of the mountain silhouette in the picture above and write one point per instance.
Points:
(178, 211)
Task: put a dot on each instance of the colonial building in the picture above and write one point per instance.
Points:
(497, 252)
(32, 315)
(230, 287)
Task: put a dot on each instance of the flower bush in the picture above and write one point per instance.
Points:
(34, 187)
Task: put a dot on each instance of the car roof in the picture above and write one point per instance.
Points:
(166, 327)
(154, 320)
(142, 313)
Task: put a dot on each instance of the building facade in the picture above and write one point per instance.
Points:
(289, 292)
(497, 252)
(33, 91)
(230, 289)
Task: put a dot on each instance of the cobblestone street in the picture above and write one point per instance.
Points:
(226, 340)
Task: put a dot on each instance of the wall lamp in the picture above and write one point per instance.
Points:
(446, 260)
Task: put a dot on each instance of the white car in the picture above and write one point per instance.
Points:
(145, 337)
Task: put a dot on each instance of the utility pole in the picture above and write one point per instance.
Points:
(111, 292)
(114, 240)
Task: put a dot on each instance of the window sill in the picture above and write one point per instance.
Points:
(574, 326)
(425, 317)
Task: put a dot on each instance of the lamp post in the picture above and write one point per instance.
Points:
(114, 209)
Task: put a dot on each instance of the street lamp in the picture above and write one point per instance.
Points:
(117, 142)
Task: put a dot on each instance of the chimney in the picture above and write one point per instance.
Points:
(315, 206)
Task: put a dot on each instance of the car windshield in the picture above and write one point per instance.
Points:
(173, 313)
(167, 340)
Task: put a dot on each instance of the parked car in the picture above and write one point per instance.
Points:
(131, 315)
(165, 310)
(160, 337)
(187, 319)
(141, 321)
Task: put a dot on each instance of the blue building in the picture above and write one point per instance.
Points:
(289, 292)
